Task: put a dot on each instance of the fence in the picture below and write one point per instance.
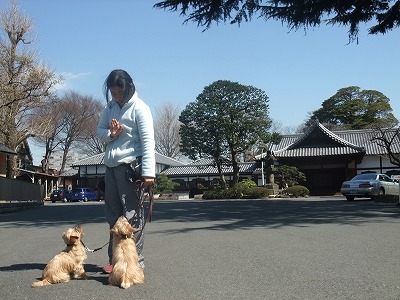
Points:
(16, 194)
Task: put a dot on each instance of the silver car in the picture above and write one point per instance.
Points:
(369, 185)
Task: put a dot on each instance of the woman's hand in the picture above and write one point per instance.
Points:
(147, 181)
(115, 128)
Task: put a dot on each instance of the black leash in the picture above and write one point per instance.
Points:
(150, 194)
(142, 197)
(94, 250)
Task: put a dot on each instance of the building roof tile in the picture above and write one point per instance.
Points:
(98, 159)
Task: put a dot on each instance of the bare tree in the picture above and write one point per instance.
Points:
(279, 127)
(92, 145)
(24, 83)
(79, 113)
(166, 130)
(48, 121)
(389, 139)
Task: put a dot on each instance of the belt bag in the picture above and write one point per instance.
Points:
(134, 170)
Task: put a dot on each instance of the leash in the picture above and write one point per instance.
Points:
(150, 193)
(142, 197)
(94, 250)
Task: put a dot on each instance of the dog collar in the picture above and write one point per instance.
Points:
(124, 236)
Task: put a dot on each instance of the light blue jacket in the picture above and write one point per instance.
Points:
(136, 139)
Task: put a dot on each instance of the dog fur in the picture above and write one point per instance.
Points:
(67, 264)
(126, 270)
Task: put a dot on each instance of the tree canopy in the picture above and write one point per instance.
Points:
(353, 108)
(226, 119)
(384, 14)
(25, 83)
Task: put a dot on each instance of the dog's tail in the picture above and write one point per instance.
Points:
(41, 283)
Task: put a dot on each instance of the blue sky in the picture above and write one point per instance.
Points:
(172, 62)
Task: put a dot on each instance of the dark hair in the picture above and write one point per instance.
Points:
(122, 79)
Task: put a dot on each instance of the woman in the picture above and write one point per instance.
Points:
(126, 126)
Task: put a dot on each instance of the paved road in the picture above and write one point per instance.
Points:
(317, 248)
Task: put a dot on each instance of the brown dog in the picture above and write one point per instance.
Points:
(126, 270)
(67, 264)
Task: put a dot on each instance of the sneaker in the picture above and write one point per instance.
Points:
(107, 269)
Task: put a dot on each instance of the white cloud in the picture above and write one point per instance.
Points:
(69, 79)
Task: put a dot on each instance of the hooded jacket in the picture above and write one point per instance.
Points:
(136, 138)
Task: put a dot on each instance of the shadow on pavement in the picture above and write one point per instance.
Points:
(241, 214)
(222, 215)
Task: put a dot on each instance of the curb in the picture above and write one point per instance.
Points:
(7, 207)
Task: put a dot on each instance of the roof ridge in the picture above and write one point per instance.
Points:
(339, 139)
(327, 132)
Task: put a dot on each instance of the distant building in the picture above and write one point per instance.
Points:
(327, 158)
(92, 169)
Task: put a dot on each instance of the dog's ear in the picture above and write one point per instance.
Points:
(131, 230)
(79, 229)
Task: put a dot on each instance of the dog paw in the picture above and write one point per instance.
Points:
(125, 285)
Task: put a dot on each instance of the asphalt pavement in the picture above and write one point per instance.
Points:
(304, 248)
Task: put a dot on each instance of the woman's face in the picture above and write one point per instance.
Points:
(117, 94)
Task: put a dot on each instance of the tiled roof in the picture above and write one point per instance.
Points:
(319, 141)
(69, 173)
(364, 137)
(98, 159)
(94, 160)
(203, 161)
(208, 169)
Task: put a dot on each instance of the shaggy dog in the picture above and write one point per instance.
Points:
(67, 264)
(126, 270)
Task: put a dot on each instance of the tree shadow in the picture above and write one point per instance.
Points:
(50, 214)
(217, 214)
(23, 267)
(247, 214)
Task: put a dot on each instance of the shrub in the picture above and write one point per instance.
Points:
(163, 185)
(297, 191)
(257, 192)
(386, 198)
(245, 184)
(237, 192)
(242, 187)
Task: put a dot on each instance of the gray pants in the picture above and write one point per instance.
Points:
(122, 198)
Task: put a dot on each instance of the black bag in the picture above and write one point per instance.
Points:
(134, 171)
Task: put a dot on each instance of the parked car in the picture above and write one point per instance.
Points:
(60, 195)
(84, 194)
(369, 185)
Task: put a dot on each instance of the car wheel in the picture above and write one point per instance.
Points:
(65, 200)
(53, 201)
(350, 198)
(381, 191)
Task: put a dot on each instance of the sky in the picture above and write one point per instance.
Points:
(171, 61)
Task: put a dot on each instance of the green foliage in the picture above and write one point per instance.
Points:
(297, 191)
(244, 189)
(382, 15)
(163, 185)
(289, 174)
(245, 184)
(226, 119)
(352, 108)
(386, 198)
(257, 192)
(221, 194)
